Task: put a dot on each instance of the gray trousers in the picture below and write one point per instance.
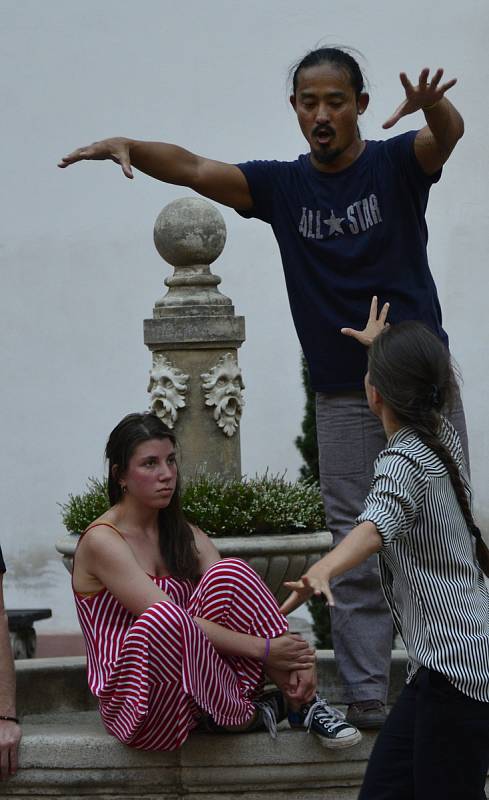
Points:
(350, 438)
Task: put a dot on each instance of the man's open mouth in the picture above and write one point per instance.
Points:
(323, 135)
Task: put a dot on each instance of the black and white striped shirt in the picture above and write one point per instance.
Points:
(432, 582)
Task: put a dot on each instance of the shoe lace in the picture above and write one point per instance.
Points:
(325, 714)
(268, 715)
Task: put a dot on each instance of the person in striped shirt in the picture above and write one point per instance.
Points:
(417, 517)
(175, 635)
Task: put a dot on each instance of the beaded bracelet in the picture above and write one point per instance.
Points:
(9, 719)
(267, 649)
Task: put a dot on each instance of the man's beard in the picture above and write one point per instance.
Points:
(328, 156)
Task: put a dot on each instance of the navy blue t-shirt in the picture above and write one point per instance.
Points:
(344, 237)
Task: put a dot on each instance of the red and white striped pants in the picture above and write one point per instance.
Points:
(168, 672)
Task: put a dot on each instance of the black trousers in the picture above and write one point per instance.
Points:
(434, 745)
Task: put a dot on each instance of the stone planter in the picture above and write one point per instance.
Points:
(275, 558)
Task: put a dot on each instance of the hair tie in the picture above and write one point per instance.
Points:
(435, 395)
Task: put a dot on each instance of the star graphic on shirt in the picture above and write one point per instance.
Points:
(334, 224)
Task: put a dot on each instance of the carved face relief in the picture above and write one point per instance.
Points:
(223, 388)
(168, 387)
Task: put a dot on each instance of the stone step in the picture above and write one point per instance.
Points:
(71, 756)
(66, 753)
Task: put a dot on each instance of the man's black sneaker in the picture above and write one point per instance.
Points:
(326, 722)
(367, 714)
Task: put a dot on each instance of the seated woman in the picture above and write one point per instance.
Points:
(175, 635)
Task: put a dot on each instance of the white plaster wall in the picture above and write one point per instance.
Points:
(79, 271)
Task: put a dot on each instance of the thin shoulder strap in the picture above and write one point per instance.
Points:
(99, 524)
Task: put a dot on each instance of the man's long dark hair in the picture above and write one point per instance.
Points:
(412, 370)
(176, 539)
(338, 57)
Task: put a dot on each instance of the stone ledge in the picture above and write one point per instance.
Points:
(67, 753)
(70, 755)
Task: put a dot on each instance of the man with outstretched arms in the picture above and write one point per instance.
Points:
(349, 219)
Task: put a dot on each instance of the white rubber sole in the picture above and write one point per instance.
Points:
(339, 744)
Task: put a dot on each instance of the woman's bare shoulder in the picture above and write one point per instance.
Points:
(100, 537)
(207, 551)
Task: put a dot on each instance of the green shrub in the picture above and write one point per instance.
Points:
(81, 509)
(267, 504)
(321, 623)
(307, 443)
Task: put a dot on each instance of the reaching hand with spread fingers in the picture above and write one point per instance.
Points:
(314, 582)
(425, 95)
(375, 324)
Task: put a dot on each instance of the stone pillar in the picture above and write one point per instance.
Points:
(195, 382)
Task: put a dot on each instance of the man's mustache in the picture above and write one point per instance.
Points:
(323, 129)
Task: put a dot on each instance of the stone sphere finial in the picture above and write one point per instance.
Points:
(190, 231)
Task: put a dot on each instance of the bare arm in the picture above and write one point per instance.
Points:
(106, 560)
(208, 553)
(10, 732)
(433, 143)
(361, 542)
(217, 180)
(288, 652)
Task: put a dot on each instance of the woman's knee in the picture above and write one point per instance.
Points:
(234, 581)
(231, 570)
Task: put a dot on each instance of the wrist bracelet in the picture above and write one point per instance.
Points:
(428, 108)
(9, 719)
(267, 649)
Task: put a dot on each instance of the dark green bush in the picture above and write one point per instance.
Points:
(306, 443)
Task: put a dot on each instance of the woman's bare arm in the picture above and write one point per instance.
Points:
(104, 555)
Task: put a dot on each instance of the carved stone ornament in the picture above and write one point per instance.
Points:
(223, 388)
(168, 387)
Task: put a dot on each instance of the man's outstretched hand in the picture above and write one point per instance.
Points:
(116, 149)
(375, 324)
(423, 96)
